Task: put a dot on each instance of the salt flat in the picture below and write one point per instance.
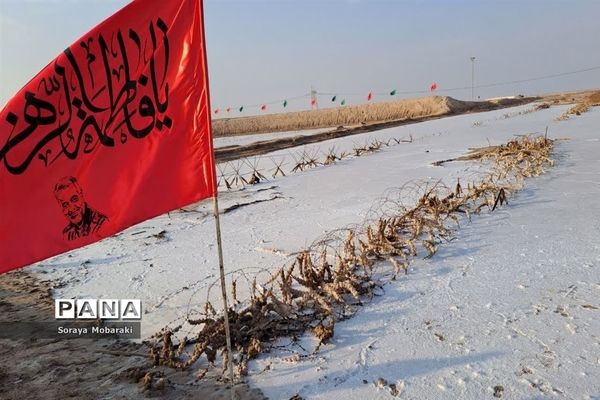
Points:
(513, 302)
(224, 141)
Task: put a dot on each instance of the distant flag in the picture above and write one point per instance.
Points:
(370, 96)
(333, 99)
(433, 86)
(228, 109)
(285, 103)
(263, 107)
(393, 92)
(241, 109)
(313, 102)
(216, 110)
(343, 102)
(88, 149)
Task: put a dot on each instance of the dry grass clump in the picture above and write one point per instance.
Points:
(328, 281)
(520, 158)
(577, 109)
(332, 156)
(590, 101)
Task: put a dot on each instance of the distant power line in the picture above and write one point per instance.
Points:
(538, 78)
(424, 91)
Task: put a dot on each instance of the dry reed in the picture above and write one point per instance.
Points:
(328, 281)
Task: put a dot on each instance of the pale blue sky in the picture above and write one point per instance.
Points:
(261, 51)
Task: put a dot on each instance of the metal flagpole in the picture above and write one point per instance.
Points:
(216, 214)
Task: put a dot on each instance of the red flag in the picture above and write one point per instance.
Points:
(369, 96)
(216, 110)
(313, 102)
(112, 132)
(228, 109)
(263, 107)
(433, 86)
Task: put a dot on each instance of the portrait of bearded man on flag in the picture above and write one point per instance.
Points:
(82, 218)
(115, 130)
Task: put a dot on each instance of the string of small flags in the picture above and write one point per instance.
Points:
(313, 102)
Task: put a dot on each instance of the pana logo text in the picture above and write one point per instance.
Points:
(98, 309)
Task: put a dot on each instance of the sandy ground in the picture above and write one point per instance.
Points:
(82, 368)
(572, 97)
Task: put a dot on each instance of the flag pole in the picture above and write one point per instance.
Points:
(216, 213)
(223, 290)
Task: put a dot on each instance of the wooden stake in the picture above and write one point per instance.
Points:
(501, 198)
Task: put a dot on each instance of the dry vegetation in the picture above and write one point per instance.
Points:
(326, 282)
(366, 114)
(571, 97)
(231, 175)
(582, 106)
(355, 115)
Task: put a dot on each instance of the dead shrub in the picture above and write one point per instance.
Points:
(328, 281)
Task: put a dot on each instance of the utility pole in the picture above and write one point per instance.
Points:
(473, 78)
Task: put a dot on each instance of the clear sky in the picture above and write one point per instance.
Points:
(262, 51)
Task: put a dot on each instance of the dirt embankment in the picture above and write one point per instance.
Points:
(583, 100)
(349, 121)
(364, 114)
(584, 96)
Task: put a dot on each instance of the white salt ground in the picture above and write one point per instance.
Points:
(510, 307)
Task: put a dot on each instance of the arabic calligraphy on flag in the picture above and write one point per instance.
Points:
(113, 131)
